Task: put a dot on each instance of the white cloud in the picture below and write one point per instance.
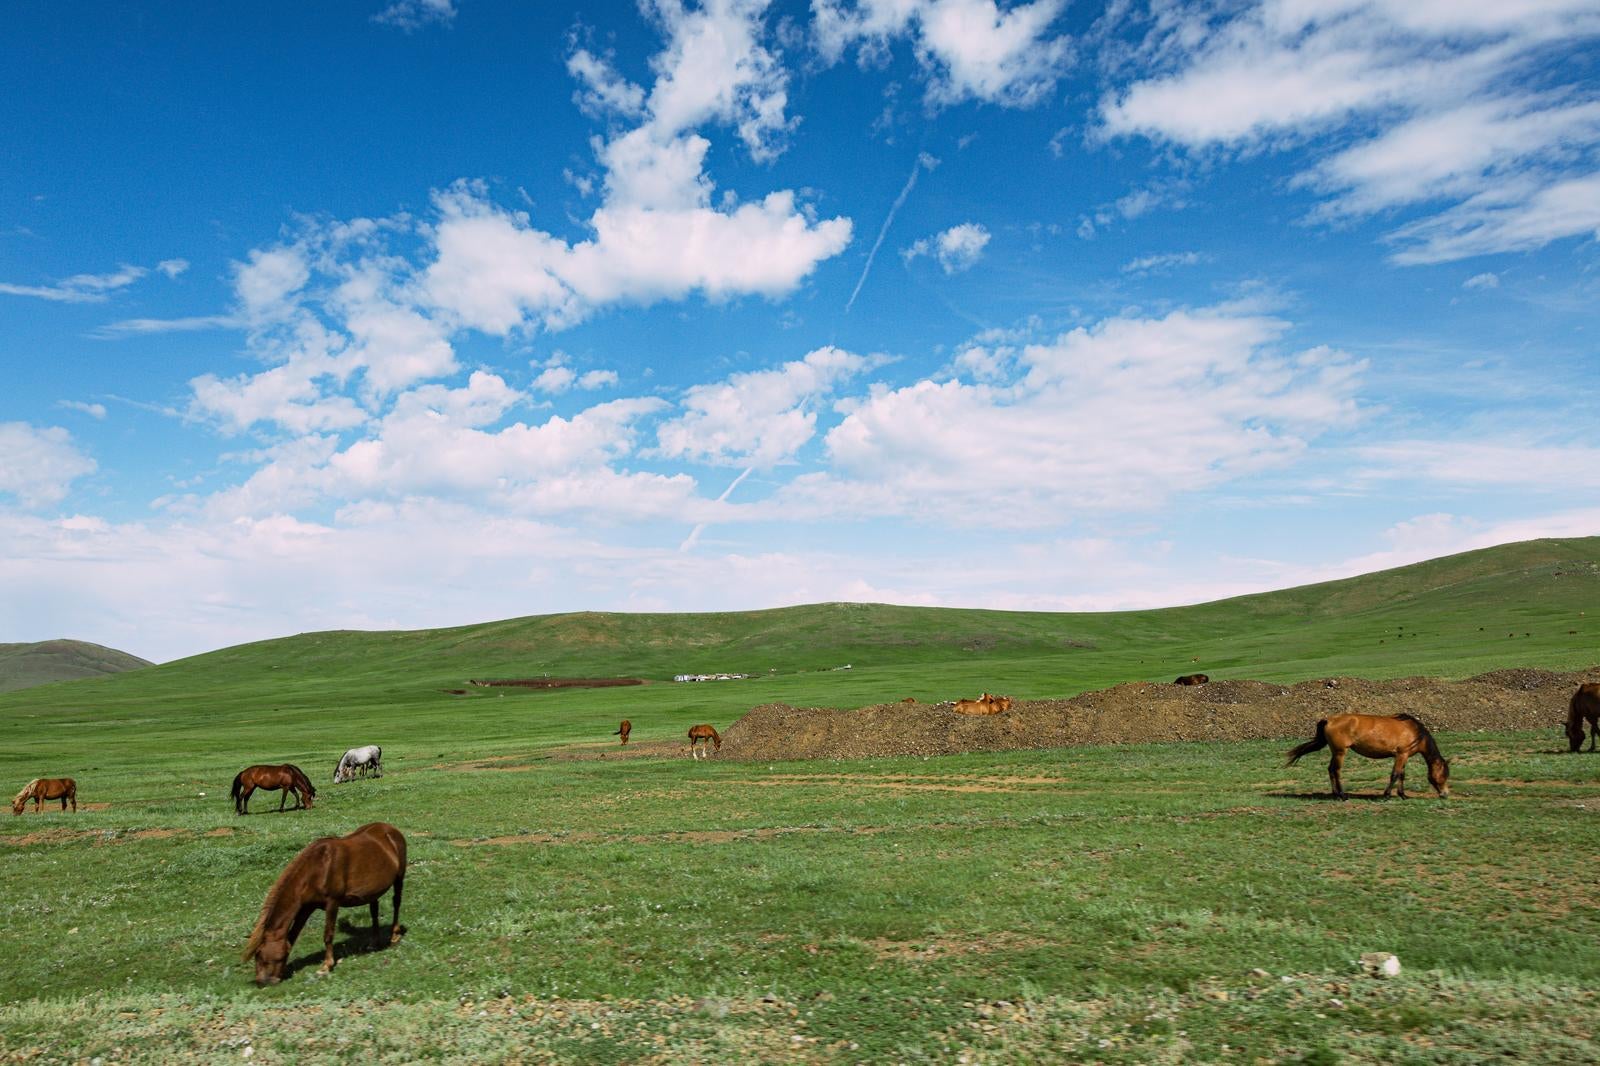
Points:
(1523, 464)
(39, 465)
(968, 49)
(413, 15)
(1482, 281)
(93, 410)
(1120, 417)
(957, 248)
(1425, 90)
(555, 379)
(603, 91)
(1161, 262)
(761, 418)
(172, 267)
(597, 379)
(80, 288)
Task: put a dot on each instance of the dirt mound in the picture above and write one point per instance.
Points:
(1140, 712)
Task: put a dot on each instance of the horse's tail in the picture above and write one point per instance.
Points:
(716, 738)
(238, 785)
(1430, 747)
(1316, 743)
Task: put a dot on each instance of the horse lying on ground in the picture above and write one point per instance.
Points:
(46, 788)
(1193, 679)
(623, 730)
(362, 759)
(288, 777)
(329, 873)
(1377, 737)
(1585, 706)
(984, 704)
(699, 735)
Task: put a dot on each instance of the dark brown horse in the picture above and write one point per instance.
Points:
(1193, 679)
(287, 777)
(698, 735)
(46, 788)
(329, 873)
(623, 731)
(1585, 707)
(1377, 737)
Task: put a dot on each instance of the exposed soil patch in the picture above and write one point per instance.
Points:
(1141, 712)
(552, 682)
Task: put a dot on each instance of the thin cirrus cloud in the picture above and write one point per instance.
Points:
(412, 15)
(1432, 95)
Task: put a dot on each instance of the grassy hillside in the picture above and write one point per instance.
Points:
(25, 665)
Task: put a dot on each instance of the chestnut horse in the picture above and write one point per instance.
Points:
(623, 731)
(329, 873)
(984, 704)
(1193, 679)
(46, 788)
(698, 735)
(1585, 706)
(1377, 737)
(288, 777)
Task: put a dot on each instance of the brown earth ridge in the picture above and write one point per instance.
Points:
(1144, 712)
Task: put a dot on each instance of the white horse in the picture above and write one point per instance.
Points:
(363, 759)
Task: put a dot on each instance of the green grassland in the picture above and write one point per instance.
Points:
(1165, 902)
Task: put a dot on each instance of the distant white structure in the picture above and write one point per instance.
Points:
(710, 677)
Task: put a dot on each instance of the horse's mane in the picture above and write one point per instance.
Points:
(1429, 747)
(259, 933)
(27, 790)
(302, 780)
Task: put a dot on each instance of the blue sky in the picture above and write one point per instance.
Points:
(360, 315)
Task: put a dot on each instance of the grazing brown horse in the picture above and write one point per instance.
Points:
(1193, 679)
(288, 777)
(623, 731)
(46, 788)
(699, 734)
(984, 704)
(1377, 737)
(1585, 706)
(329, 873)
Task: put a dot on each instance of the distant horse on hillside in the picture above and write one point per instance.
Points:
(46, 788)
(287, 777)
(984, 704)
(623, 730)
(698, 735)
(328, 873)
(1377, 737)
(369, 758)
(1585, 706)
(1193, 679)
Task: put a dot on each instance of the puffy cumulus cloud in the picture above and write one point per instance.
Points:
(1120, 417)
(969, 49)
(957, 248)
(38, 465)
(757, 419)
(602, 91)
(1430, 93)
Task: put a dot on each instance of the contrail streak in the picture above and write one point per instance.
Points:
(694, 536)
(924, 160)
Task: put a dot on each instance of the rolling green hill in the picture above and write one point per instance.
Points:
(26, 665)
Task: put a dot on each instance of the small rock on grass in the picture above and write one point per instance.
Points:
(1380, 964)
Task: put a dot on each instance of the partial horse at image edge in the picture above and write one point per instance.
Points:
(46, 788)
(1585, 706)
(286, 777)
(328, 873)
(1377, 737)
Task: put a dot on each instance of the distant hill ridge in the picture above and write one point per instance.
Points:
(40, 663)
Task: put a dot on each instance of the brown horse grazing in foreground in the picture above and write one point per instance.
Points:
(984, 704)
(288, 777)
(1585, 706)
(1193, 679)
(623, 731)
(699, 734)
(46, 788)
(329, 873)
(1377, 737)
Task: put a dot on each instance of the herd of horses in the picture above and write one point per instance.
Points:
(359, 868)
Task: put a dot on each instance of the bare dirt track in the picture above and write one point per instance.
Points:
(1143, 712)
